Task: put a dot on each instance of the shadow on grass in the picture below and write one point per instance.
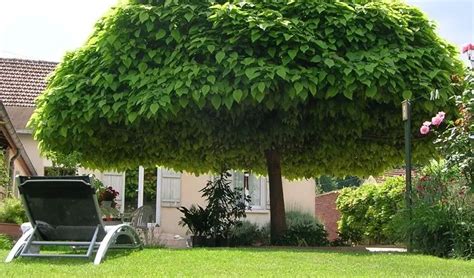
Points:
(111, 254)
(349, 251)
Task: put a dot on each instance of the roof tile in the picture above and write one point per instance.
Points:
(21, 81)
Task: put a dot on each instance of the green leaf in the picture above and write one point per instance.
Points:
(261, 87)
(304, 48)
(316, 59)
(298, 87)
(292, 53)
(160, 34)
(331, 79)
(271, 51)
(348, 93)
(219, 56)
(281, 71)
(216, 101)
(228, 101)
(188, 16)
(329, 62)
(211, 79)
(132, 116)
(176, 35)
(154, 108)
(371, 91)
(251, 73)
(238, 95)
(205, 89)
(407, 94)
(143, 16)
(63, 131)
(255, 35)
(331, 92)
(211, 48)
(105, 109)
(312, 88)
(183, 102)
(321, 44)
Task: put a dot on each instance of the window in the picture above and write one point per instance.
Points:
(257, 189)
(170, 188)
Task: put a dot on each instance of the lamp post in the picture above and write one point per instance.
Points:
(406, 116)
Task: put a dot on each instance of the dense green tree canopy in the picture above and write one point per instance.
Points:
(194, 84)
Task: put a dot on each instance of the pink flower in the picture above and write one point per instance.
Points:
(468, 47)
(436, 120)
(427, 123)
(424, 129)
(441, 115)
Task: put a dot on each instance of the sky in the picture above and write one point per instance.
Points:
(46, 29)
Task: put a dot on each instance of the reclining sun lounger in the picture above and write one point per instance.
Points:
(63, 211)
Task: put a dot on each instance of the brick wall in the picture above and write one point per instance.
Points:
(326, 212)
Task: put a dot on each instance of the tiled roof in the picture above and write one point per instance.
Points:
(21, 81)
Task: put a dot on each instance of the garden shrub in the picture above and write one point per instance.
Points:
(12, 211)
(442, 222)
(366, 212)
(304, 230)
(247, 233)
(225, 207)
(5, 242)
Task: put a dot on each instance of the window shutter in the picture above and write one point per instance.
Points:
(170, 188)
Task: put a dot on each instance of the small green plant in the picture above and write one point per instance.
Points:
(225, 207)
(304, 230)
(196, 219)
(12, 211)
(5, 242)
(247, 233)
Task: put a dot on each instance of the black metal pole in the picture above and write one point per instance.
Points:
(408, 189)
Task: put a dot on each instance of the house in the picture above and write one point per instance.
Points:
(21, 81)
(16, 158)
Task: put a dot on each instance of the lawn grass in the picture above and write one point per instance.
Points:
(242, 262)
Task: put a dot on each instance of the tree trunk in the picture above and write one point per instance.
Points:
(277, 204)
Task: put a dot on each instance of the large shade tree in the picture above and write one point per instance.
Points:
(298, 88)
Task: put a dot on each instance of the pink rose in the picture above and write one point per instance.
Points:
(436, 120)
(424, 129)
(427, 123)
(441, 115)
(468, 47)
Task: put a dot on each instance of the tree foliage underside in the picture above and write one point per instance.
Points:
(196, 84)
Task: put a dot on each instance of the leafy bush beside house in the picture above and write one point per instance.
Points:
(367, 211)
(304, 230)
(12, 211)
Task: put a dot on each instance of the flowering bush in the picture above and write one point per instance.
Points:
(435, 121)
(456, 143)
(442, 220)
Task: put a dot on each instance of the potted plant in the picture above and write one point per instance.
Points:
(12, 214)
(196, 218)
(106, 198)
(211, 225)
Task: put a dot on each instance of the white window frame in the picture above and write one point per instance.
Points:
(263, 186)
